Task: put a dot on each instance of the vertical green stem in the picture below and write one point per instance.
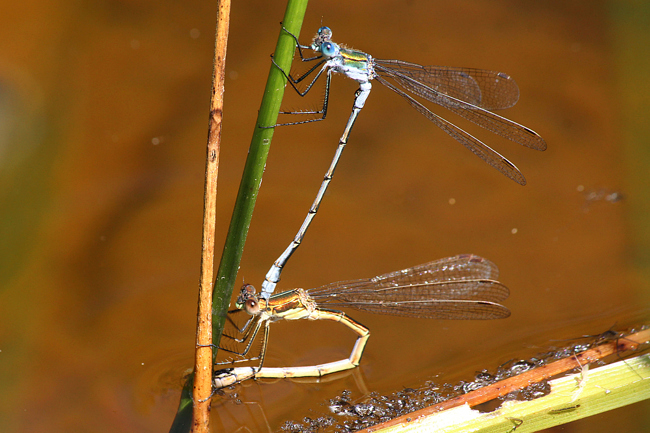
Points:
(254, 168)
(248, 190)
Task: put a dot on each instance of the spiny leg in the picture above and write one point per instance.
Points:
(230, 376)
(331, 367)
(293, 82)
(300, 47)
(252, 334)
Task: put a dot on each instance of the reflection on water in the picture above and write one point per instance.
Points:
(102, 200)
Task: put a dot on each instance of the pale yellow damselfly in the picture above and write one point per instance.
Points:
(462, 287)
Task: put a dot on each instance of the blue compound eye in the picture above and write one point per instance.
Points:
(329, 49)
(325, 31)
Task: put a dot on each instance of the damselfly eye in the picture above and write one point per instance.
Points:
(325, 31)
(252, 307)
(329, 49)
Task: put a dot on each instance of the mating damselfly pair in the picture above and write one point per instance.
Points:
(468, 283)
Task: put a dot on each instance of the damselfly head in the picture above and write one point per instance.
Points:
(246, 293)
(324, 35)
(248, 300)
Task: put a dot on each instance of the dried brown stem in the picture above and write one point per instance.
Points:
(202, 389)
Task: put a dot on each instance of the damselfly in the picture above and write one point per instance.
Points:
(469, 93)
(462, 287)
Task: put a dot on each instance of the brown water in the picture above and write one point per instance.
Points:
(102, 136)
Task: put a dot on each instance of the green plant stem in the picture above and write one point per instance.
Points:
(254, 168)
(248, 190)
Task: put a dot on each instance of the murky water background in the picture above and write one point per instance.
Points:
(103, 116)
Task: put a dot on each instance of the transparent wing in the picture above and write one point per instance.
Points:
(490, 90)
(482, 150)
(461, 287)
(462, 105)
